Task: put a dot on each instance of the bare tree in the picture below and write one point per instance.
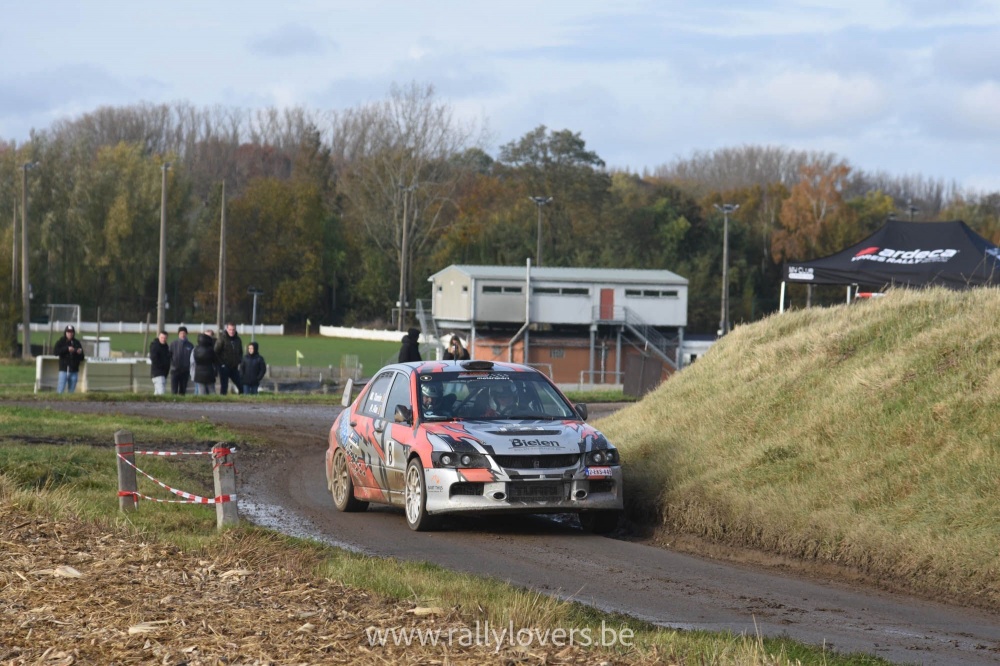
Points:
(398, 169)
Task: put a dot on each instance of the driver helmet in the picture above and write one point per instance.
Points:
(431, 389)
(503, 391)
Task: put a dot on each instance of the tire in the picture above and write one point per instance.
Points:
(415, 496)
(599, 522)
(342, 486)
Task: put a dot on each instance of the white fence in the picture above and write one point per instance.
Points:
(367, 334)
(140, 327)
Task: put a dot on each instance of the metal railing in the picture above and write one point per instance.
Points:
(603, 376)
(427, 324)
(653, 339)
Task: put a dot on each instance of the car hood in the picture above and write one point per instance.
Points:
(513, 438)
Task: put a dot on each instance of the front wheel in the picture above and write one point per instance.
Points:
(342, 486)
(416, 499)
(599, 522)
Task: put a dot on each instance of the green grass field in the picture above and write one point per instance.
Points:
(317, 351)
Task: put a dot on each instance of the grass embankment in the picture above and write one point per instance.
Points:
(248, 594)
(861, 435)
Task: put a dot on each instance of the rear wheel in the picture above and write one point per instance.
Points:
(599, 522)
(342, 485)
(416, 499)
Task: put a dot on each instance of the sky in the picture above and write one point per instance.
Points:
(908, 88)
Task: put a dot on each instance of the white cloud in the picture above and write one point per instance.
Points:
(801, 101)
(979, 107)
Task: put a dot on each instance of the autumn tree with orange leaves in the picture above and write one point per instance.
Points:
(815, 205)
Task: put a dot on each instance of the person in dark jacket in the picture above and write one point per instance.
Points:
(410, 351)
(70, 353)
(204, 364)
(159, 362)
(252, 369)
(229, 352)
(455, 351)
(180, 362)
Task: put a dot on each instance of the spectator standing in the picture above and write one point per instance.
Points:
(455, 351)
(229, 352)
(159, 359)
(252, 369)
(204, 365)
(180, 362)
(409, 350)
(70, 353)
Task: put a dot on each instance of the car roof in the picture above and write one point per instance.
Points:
(432, 367)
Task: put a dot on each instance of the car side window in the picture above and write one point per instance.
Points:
(399, 394)
(374, 406)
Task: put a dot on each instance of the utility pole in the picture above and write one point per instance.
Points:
(220, 307)
(13, 257)
(25, 284)
(539, 201)
(162, 282)
(911, 209)
(724, 315)
(403, 256)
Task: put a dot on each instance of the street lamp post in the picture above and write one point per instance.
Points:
(162, 282)
(911, 209)
(407, 190)
(724, 316)
(253, 318)
(539, 201)
(25, 286)
(220, 304)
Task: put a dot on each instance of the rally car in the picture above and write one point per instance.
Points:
(444, 437)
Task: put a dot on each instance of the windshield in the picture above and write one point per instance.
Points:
(490, 395)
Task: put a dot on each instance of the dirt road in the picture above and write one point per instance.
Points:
(284, 487)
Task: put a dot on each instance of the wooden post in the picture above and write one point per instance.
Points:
(125, 448)
(224, 471)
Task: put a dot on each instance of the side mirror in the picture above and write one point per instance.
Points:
(581, 409)
(348, 387)
(403, 414)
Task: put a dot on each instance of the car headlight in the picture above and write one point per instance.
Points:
(452, 459)
(603, 457)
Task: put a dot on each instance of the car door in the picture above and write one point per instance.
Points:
(395, 439)
(369, 424)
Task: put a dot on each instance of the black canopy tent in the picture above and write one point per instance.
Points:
(913, 254)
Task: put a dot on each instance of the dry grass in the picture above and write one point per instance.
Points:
(861, 435)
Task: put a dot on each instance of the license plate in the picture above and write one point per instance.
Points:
(536, 491)
(598, 472)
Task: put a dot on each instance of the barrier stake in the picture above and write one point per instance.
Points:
(125, 447)
(224, 472)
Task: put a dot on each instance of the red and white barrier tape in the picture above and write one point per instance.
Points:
(222, 499)
(189, 498)
(218, 452)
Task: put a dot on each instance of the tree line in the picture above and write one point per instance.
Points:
(337, 214)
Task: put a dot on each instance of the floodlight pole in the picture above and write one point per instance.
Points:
(724, 316)
(402, 255)
(220, 304)
(25, 285)
(539, 201)
(911, 209)
(161, 285)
